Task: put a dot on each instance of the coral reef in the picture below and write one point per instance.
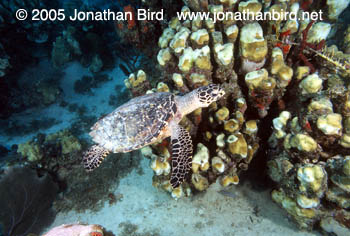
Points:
(136, 32)
(59, 154)
(36, 32)
(79, 42)
(76, 230)
(22, 39)
(26, 201)
(282, 63)
(284, 66)
(225, 140)
(310, 147)
(43, 148)
(93, 187)
(65, 47)
(335, 8)
(138, 84)
(48, 91)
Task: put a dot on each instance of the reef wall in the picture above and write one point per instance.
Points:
(280, 63)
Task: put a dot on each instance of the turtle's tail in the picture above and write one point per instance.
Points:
(93, 157)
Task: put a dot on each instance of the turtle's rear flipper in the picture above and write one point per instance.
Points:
(181, 160)
(93, 157)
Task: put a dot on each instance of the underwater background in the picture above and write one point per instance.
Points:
(272, 157)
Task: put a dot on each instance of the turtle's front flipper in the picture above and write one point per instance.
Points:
(93, 157)
(181, 160)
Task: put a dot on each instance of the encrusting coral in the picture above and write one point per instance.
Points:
(65, 47)
(185, 56)
(261, 65)
(76, 230)
(276, 59)
(39, 147)
(309, 155)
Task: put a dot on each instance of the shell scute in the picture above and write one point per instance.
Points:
(135, 124)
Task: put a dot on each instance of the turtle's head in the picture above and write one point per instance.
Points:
(208, 94)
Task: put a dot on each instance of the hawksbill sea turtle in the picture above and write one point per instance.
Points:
(147, 119)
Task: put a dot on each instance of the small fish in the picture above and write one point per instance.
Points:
(228, 193)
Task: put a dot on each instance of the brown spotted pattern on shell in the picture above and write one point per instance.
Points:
(135, 124)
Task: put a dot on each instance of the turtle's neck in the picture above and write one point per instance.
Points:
(188, 103)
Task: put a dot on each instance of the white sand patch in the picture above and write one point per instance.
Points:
(62, 116)
(98, 102)
(96, 105)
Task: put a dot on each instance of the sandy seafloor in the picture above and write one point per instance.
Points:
(210, 213)
(242, 211)
(96, 104)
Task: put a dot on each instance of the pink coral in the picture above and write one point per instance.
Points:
(76, 230)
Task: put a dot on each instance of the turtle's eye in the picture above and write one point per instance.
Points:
(209, 94)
